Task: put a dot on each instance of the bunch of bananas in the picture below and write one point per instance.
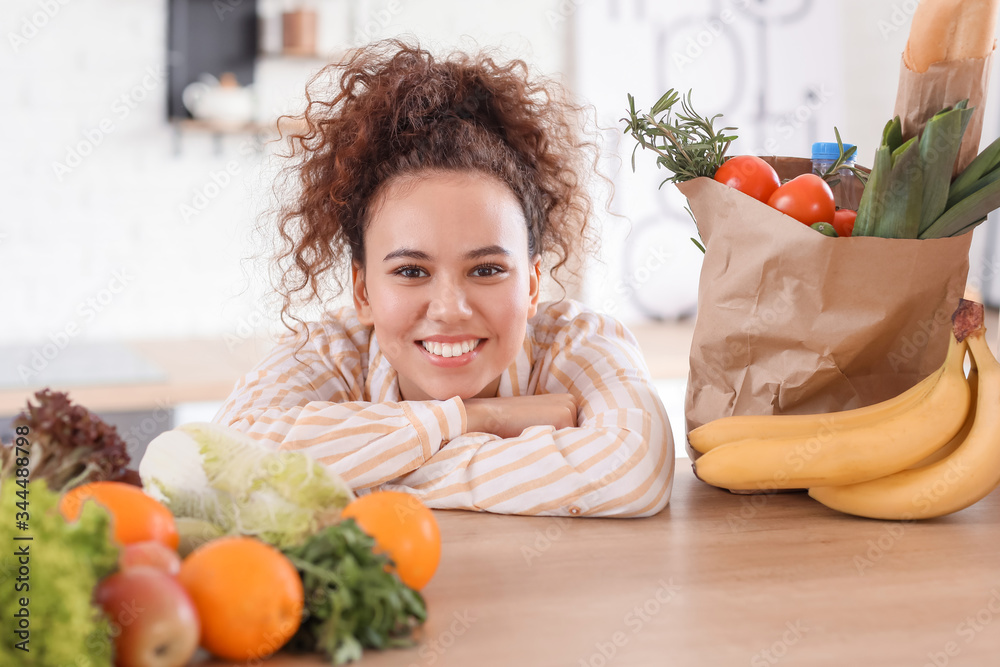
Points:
(932, 450)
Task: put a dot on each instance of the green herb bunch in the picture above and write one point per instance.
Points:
(688, 145)
(352, 601)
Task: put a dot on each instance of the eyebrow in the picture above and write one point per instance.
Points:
(422, 256)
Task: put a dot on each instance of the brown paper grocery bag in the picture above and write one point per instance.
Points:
(794, 322)
(920, 95)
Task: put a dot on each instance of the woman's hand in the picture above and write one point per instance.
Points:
(507, 417)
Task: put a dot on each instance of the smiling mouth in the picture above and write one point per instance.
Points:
(448, 350)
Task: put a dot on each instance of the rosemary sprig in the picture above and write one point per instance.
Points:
(687, 145)
(831, 175)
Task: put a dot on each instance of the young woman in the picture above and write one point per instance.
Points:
(444, 186)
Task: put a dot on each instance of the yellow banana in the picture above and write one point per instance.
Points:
(960, 437)
(728, 430)
(953, 483)
(830, 456)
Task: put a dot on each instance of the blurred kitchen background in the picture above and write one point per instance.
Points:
(137, 162)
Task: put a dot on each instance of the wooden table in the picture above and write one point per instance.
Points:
(715, 579)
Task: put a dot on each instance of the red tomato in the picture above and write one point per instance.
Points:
(807, 198)
(750, 175)
(843, 221)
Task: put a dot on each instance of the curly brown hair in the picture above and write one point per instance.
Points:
(399, 110)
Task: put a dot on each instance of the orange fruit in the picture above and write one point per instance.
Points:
(248, 595)
(135, 516)
(404, 529)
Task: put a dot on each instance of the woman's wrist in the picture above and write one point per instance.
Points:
(479, 415)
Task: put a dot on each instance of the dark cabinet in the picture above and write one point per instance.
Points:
(213, 36)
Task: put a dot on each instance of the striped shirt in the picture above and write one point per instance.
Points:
(339, 403)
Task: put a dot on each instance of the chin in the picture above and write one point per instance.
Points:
(444, 394)
(464, 395)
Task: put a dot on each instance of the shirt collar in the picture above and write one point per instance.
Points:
(382, 382)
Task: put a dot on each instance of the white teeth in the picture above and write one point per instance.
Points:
(448, 350)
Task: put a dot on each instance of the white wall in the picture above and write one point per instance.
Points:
(103, 249)
(99, 246)
(755, 65)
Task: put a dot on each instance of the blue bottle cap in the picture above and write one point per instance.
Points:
(828, 150)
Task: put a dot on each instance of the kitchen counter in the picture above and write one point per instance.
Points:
(715, 579)
(170, 372)
(193, 370)
(185, 371)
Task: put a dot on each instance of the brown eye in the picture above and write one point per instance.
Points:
(410, 272)
(487, 271)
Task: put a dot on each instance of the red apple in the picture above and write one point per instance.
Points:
(150, 554)
(154, 623)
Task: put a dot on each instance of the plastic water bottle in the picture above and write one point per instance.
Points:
(825, 153)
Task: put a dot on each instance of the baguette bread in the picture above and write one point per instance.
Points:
(950, 30)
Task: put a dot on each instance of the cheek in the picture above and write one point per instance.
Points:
(392, 307)
(508, 311)
(392, 301)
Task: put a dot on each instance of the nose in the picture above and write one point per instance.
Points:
(448, 302)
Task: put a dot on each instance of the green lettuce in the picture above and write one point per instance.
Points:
(219, 475)
(56, 578)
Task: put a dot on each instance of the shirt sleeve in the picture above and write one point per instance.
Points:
(306, 399)
(618, 461)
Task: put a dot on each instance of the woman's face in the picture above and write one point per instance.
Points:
(447, 283)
